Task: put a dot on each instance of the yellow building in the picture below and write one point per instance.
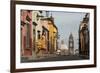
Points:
(44, 34)
(36, 30)
(52, 32)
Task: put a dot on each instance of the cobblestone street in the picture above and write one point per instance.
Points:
(53, 57)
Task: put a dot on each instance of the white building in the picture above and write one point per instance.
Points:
(64, 48)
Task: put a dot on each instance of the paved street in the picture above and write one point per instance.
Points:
(57, 58)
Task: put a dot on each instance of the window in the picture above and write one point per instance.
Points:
(27, 36)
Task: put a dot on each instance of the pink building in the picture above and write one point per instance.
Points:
(26, 33)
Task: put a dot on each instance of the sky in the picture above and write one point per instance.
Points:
(67, 23)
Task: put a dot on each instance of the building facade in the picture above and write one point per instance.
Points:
(38, 34)
(26, 33)
(84, 37)
(71, 45)
(52, 32)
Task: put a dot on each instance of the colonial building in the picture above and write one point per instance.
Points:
(71, 45)
(30, 30)
(26, 33)
(38, 33)
(84, 37)
(36, 29)
(52, 32)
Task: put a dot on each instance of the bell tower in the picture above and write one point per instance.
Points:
(71, 45)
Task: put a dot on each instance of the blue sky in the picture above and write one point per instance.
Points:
(67, 22)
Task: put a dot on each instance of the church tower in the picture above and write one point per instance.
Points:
(71, 45)
(84, 37)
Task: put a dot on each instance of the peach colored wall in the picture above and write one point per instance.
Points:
(26, 52)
